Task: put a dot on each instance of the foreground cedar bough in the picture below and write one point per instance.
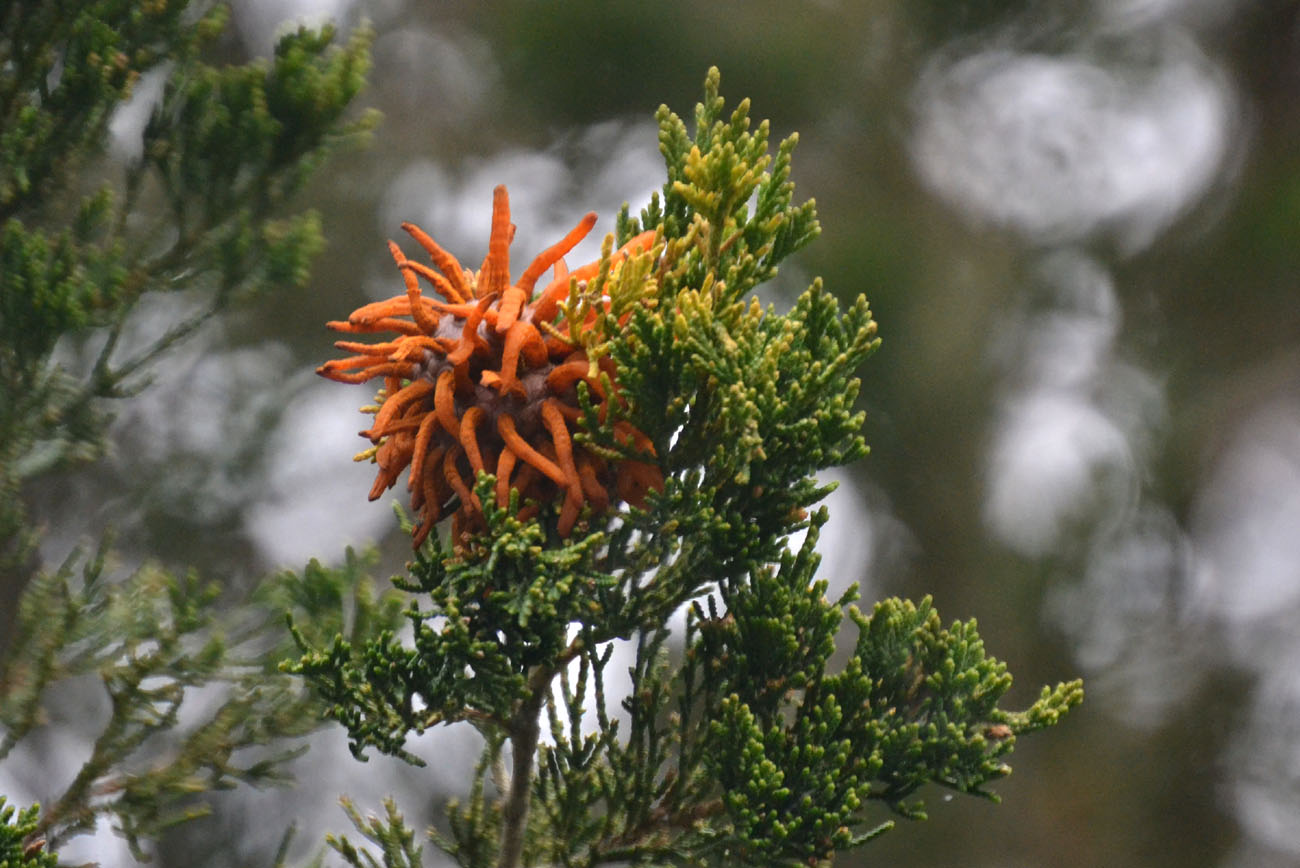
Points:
(628, 453)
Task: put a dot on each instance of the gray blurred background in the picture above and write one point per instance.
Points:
(1077, 225)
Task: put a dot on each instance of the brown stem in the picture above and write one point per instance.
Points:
(525, 730)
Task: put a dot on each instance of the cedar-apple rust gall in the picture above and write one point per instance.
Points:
(479, 379)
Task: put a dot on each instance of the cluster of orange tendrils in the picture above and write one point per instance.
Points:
(475, 382)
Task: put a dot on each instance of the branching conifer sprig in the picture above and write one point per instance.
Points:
(21, 844)
(396, 841)
(83, 240)
(574, 754)
(52, 123)
(206, 208)
(800, 751)
(712, 178)
(150, 639)
(475, 823)
(497, 622)
(742, 746)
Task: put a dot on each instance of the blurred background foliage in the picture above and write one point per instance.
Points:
(1077, 226)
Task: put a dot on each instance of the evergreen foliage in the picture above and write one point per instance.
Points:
(20, 844)
(748, 749)
(149, 639)
(206, 208)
